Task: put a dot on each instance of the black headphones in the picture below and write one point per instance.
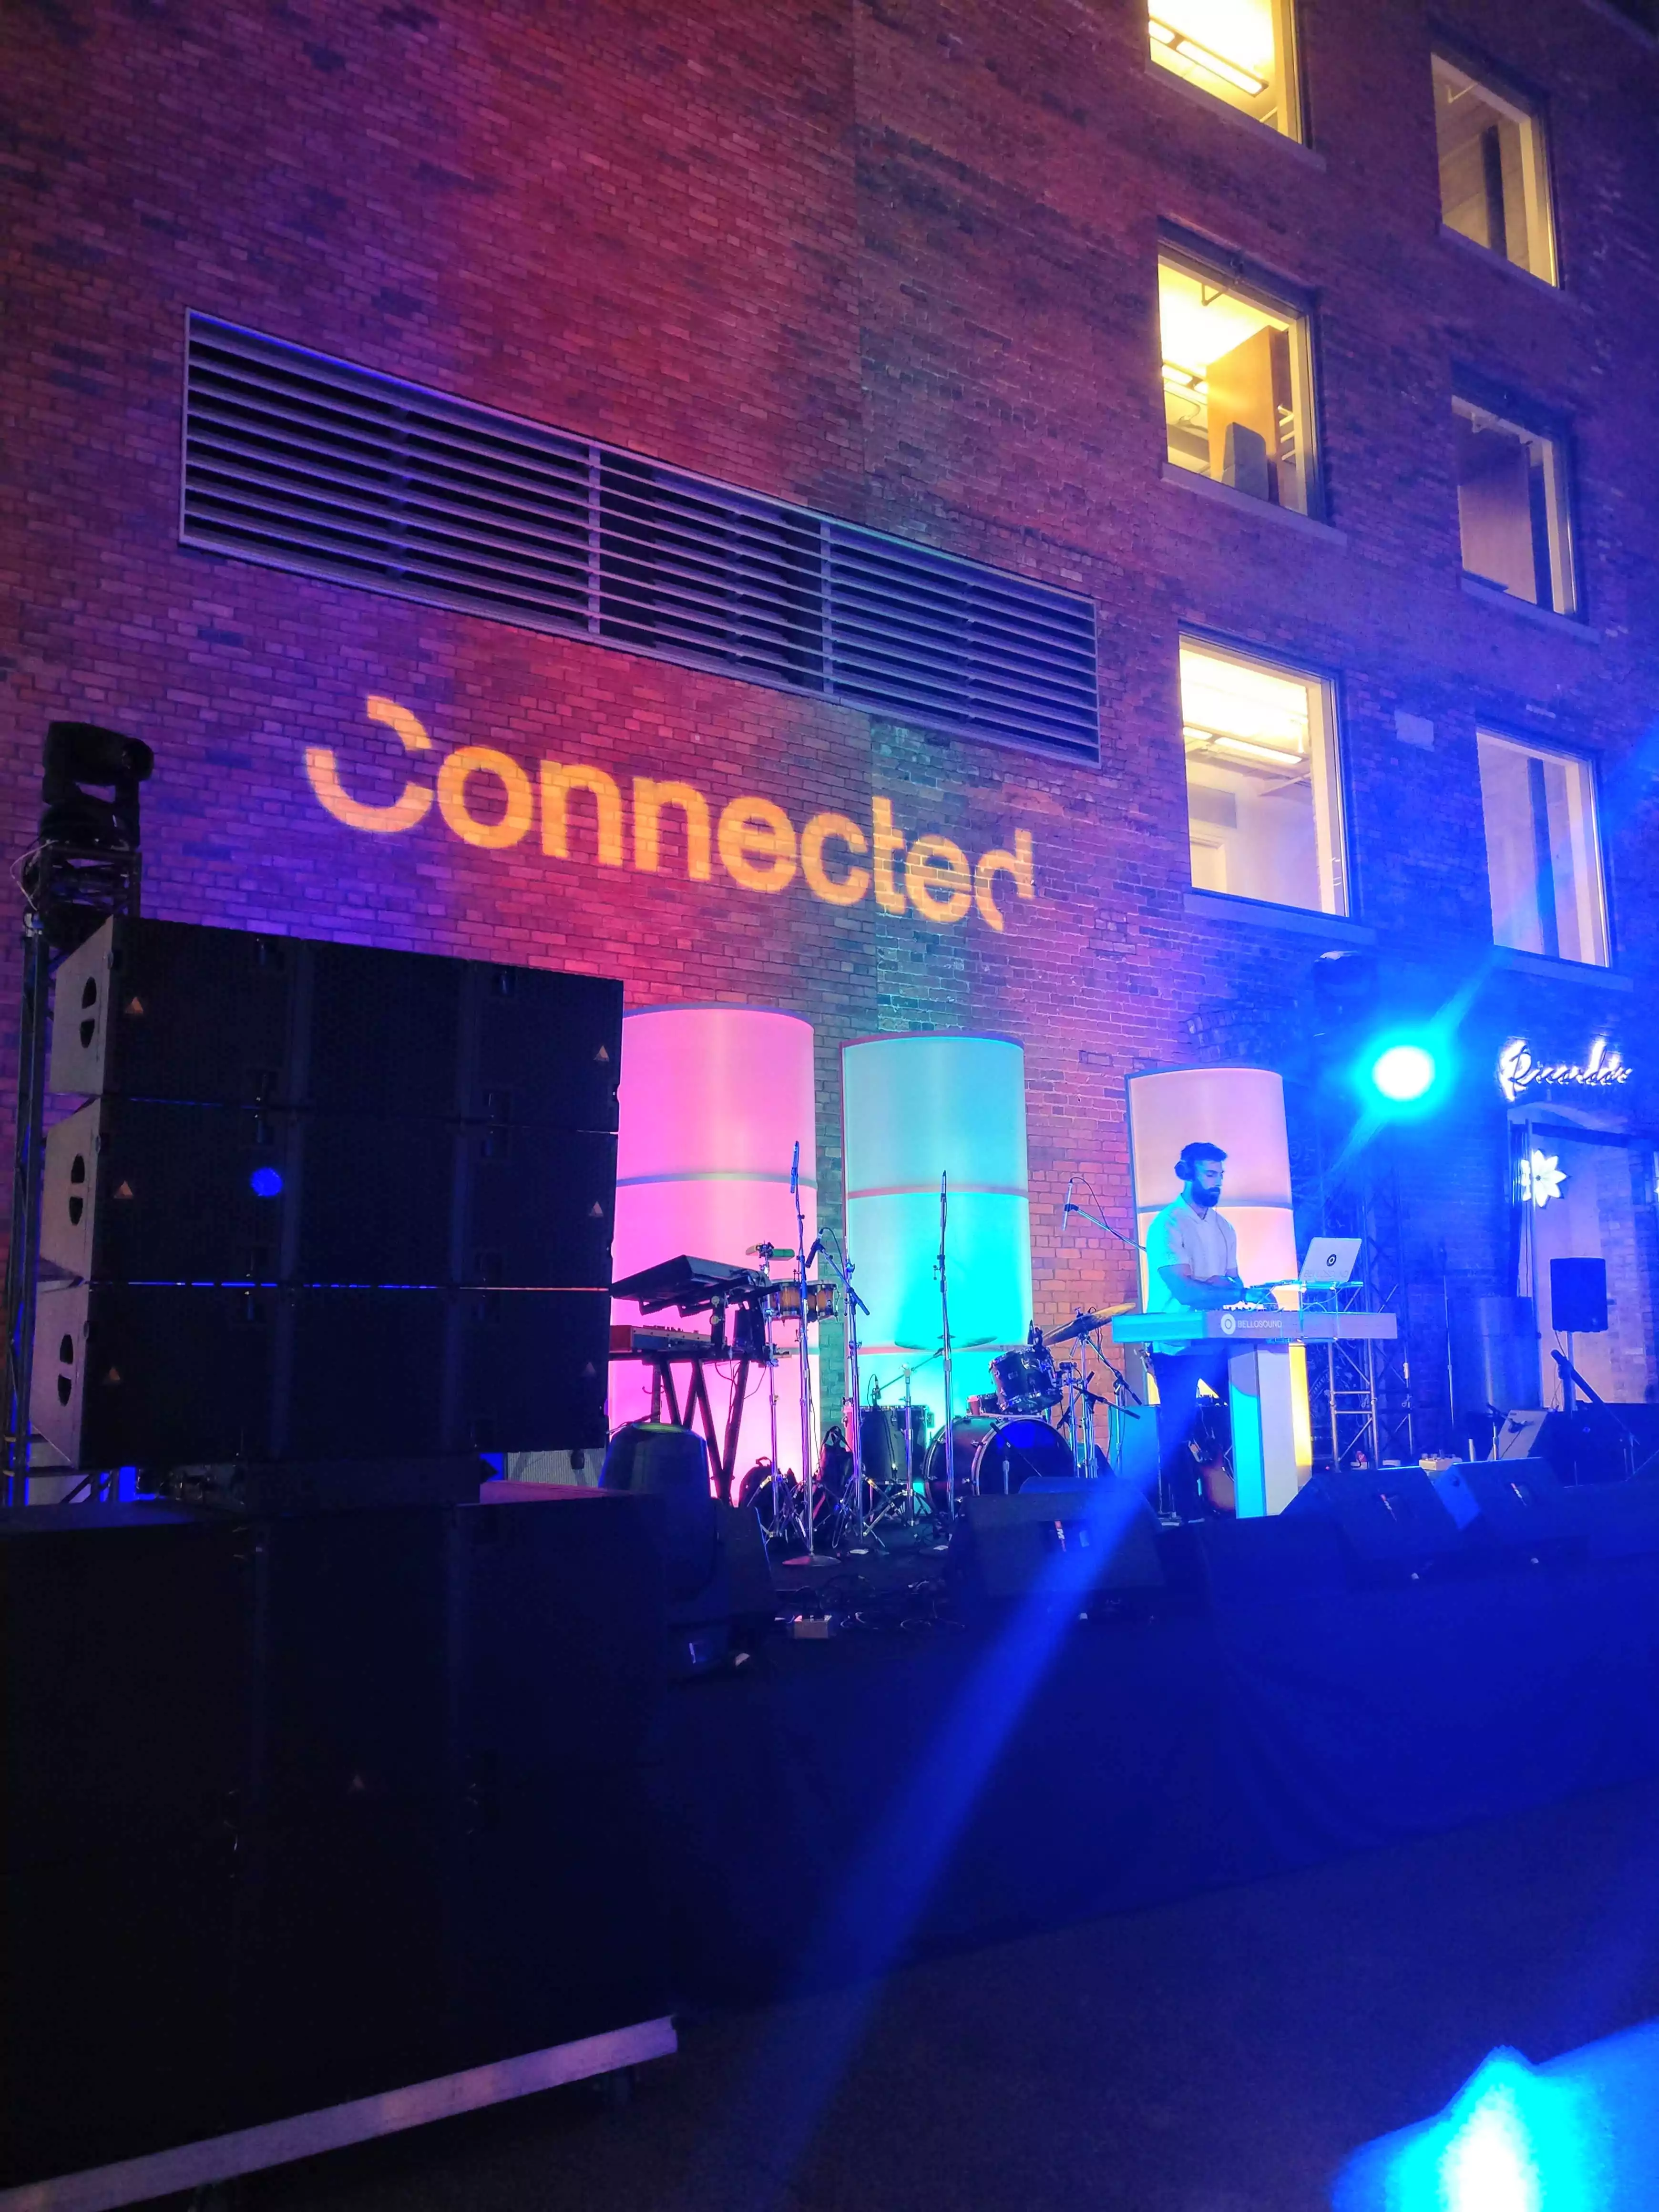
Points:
(1186, 1165)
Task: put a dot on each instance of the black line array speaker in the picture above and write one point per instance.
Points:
(1578, 1296)
(146, 1190)
(170, 1374)
(225, 1016)
(1391, 1522)
(328, 1202)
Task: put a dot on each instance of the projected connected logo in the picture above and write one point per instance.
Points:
(486, 798)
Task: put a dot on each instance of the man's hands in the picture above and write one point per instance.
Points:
(1239, 1295)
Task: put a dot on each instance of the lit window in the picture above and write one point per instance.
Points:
(1512, 508)
(1263, 806)
(1494, 181)
(1240, 50)
(1543, 856)
(1236, 403)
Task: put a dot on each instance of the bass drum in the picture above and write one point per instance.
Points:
(968, 1433)
(994, 1457)
(1016, 1450)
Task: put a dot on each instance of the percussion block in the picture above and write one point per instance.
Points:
(1056, 1547)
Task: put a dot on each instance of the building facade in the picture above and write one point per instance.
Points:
(1041, 520)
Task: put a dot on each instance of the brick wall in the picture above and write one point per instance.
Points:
(897, 262)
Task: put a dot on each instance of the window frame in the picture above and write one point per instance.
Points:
(1589, 764)
(1501, 91)
(1194, 256)
(1513, 411)
(1339, 797)
(1287, 48)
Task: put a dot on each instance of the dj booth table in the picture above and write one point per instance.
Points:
(1268, 1456)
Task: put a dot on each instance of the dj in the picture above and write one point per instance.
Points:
(1192, 1260)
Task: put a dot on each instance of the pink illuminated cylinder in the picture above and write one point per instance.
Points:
(713, 1102)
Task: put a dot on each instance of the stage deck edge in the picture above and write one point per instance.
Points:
(221, 2158)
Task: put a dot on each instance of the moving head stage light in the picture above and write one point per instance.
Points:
(84, 865)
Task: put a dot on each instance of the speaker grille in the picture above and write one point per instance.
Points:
(319, 466)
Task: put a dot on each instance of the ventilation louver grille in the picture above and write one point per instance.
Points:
(315, 465)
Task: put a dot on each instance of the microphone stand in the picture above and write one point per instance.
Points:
(1095, 1222)
(855, 1305)
(944, 1348)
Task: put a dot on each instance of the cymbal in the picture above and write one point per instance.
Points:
(1086, 1323)
(918, 1355)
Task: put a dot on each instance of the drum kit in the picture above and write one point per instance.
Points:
(890, 1468)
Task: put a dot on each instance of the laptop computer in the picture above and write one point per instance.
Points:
(1329, 1260)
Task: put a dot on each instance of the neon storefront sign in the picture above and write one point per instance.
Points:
(1519, 1071)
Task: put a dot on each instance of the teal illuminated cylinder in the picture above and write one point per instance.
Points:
(913, 1109)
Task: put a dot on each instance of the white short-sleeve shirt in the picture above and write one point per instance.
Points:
(1204, 1244)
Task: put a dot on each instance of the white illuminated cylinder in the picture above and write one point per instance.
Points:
(1241, 1110)
(713, 1101)
(913, 1109)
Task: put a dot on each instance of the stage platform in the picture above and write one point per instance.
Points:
(897, 1791)
(539, 1837)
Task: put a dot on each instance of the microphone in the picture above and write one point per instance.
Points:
(1067, 1208)
(794, 1171)
(817, 1247)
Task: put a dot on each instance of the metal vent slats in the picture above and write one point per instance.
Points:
(327, 469)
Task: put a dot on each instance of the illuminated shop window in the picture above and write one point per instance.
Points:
(1263, 801)
(1494, 177)
(1543, 853)
(1237, 400)
(1512, 508)
(1241, 51)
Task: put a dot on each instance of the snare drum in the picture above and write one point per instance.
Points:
(1025, 1379)
(781, 1302)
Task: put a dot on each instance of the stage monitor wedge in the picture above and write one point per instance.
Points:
(222, 1016)
(1057, 1548)
(1519, 1507)
(1393, 1525)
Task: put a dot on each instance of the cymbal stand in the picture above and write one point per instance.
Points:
(802, 1261)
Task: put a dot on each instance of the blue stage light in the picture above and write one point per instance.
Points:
(266, 1182)
(1580, 2133)
(1404, 1072)
(1401, 1074)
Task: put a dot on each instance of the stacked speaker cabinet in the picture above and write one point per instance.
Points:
(324, 1201)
